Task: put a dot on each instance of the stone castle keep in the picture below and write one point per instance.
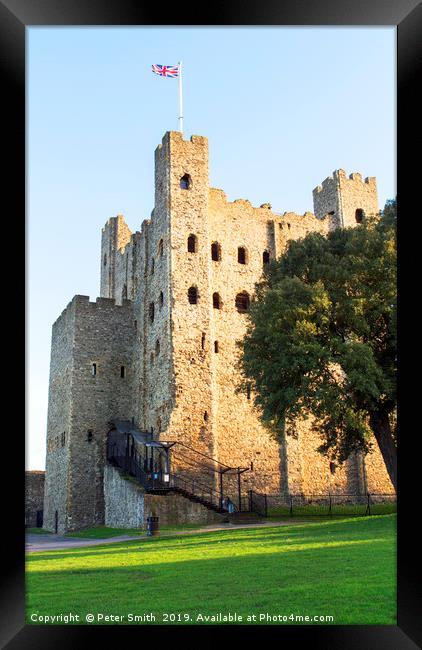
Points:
(154, 358)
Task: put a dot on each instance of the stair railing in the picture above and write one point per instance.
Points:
(122, 453)
(197, 489)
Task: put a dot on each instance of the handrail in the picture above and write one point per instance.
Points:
(214, 495)
(195, 487)
(178, 442)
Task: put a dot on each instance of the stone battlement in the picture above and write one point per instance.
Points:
(177, 137)
(265, 209)
(340, 174)
(84, 301)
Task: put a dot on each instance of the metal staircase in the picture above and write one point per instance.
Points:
(198, 477)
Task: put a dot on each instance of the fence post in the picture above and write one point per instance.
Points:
(239, 490)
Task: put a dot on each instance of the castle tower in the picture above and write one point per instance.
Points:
(159, 348)
(180, 222)
(114, 237)
(90, 383)
(347, 200)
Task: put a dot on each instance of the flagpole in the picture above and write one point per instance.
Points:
(180, 99)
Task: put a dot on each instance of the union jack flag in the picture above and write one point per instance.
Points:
(166, 70)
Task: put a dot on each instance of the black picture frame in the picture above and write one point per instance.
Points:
(15, 16)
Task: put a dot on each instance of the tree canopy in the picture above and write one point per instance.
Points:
(321, 338)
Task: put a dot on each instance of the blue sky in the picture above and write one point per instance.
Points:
(281, 107)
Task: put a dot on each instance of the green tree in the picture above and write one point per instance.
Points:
(321, 339)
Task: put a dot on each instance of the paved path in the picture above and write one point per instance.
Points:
(56, 542)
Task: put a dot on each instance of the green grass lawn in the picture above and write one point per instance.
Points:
(343, 568)
(37, 531)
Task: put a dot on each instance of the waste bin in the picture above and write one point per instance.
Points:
(152, 526)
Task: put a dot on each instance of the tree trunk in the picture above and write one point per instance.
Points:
(380, 425)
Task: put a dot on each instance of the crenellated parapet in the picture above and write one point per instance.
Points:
(346, 199)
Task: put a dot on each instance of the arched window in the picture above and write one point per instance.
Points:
(160, 248)
(157, 347)
(333, 468)
(241, 255)
(192, 247)
(186, 182)
(359, 214)
(151, 312)
(193, 295)
(206, 416)
(216, 346)
(89, 435)
(216, 301)
(215, 251)
(265, 257)
(242, 302)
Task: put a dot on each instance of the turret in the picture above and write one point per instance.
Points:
(347, 200)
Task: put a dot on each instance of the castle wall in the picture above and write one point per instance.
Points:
(123, 501)
(82, 404)
(59, 419)
(174, 509)
(318, 476)
(376, 475)
(104, 335)
(34, 496)
(127, 506)
(240, 436)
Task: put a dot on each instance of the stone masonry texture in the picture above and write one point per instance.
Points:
(127, 505)
(180, 355)
(34, 496)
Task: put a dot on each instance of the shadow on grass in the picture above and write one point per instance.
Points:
(147, 555)
(301, 529)
(348, 582)
(298, 534)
